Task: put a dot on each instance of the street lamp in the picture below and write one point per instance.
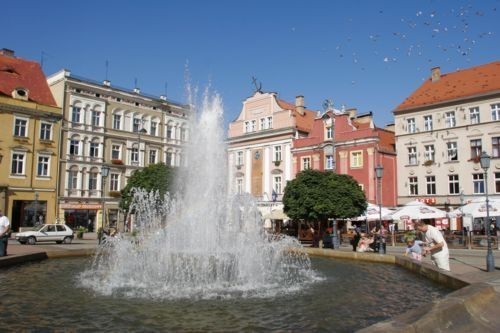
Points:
(379, 171)
(485, 164)
(104, 175)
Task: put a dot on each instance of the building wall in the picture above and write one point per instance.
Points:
(462, 133)
(146, 125)
(32, 186)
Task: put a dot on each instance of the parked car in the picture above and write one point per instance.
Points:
(59, 233)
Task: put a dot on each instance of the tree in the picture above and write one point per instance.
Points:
(317, 196)
(155, 177)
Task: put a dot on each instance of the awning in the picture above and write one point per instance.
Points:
(276, 214)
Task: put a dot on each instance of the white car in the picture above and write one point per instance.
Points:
(59, 233)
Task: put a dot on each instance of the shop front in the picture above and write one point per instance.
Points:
(81, 215)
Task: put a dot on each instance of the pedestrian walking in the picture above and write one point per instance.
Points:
(4, 233)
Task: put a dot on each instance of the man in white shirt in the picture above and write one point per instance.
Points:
(4, 233)
(435, 245)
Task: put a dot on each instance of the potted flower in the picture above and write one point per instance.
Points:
(117, 162)
(277, 163)
(80, 231)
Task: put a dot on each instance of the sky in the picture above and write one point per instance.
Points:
(368, 55)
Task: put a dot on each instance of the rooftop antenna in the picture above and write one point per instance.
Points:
(107, 67)
(166, 88)
(135, 82)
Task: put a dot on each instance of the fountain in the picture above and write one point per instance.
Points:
(202, 242)
(202, 263)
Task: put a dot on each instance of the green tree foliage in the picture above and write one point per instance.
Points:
(316, 196)
(157, 177)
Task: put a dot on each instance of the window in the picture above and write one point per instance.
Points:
(475, 148)
(495, 146)
(478, 182)
(134, 155)
(17, 167)
(263, 123)
(413, 182)
(117, 121)
(329, 162)
(152, 156)
(20, 127)
(277, 184)
(254, 125)
(74, 147)
(115, 152)
(429, 153)
(169, 132)
(474, 115)
(412, 127)
(154, 127)
(45, 131)
(497, 182)
(136, 126)
(169, 160)
(239, 185)
(495, 111)
(114, 182)
(277, 153)
(356, 159)
(412, 156)
(247, 127)
(449, 119)
(431, 184)
(75, 114)
(43, 166)
(96, 117)
(329, 132)
(239, 158)
(92, 180)
(306, 163)
(428, 123)
(452, 151)
(269, 122)
(183, 134)
(72, 179)
(94, 149)
(453, 184)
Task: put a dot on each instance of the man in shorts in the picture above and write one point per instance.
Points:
(435, 245)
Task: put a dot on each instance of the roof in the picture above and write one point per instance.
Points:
(452, 86)
(19, 73)
(303, 122)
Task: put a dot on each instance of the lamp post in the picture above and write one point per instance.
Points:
(485, 164)
(379, 171)
(35, 220)
(104, 175)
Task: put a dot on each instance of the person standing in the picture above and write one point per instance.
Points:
(4, 233)
(435, 245)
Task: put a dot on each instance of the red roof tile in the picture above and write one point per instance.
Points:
(19, 73)
(460, 84)
(303, 122)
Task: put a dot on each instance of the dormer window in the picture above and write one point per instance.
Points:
(20, 93)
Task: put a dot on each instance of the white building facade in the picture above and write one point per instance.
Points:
(114, 127)
(441, 130)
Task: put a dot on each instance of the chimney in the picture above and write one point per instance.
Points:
(7, 52)
(435, 74)
(352, 112)
(107, 83)
(299, 104)
(137, 90)
(163, 97)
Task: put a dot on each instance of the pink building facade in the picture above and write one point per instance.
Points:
(260, 141)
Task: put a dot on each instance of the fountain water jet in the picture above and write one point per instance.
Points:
(203, 242)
